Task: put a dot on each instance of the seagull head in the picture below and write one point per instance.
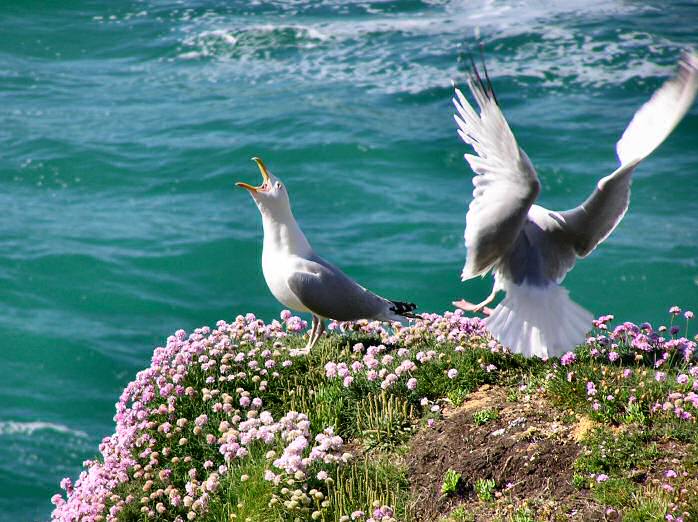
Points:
(271, 196)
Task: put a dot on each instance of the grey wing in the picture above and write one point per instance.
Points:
(587, 225)
(328, 292)
(506, 184)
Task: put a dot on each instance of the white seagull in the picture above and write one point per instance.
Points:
(299, 278)
(529, 248)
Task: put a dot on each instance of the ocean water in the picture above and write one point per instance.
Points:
(123, 126)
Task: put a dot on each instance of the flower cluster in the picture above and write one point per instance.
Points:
(154, 442)
(641, 342)
(299, 467)
(387, 367)
(451, 326)
(374, 366)
(636, 370)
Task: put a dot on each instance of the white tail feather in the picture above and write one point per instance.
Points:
(539, 321)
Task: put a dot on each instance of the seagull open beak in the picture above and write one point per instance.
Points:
(265, 177)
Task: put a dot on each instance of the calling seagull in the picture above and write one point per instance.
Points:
(299, 278)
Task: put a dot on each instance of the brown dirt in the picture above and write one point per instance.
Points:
(528, 450)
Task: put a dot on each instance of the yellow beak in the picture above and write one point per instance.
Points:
(265, 177)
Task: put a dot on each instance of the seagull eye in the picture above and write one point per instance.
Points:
(278, 185)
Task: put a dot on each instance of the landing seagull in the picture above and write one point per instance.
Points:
(529, 248)
(299, 278)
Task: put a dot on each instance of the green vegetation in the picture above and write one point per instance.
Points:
(484, 416)
(450, 483)
(484, 488)
(256, 429)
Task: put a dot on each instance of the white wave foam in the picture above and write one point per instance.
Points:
(225, 36)
(28, 428)
(543, 40)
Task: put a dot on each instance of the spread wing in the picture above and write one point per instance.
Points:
(506, 184)
(586, 226)
(328, 292)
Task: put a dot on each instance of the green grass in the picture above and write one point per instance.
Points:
(242, 500)
(612, 453)
(376, 481)
(615, 492)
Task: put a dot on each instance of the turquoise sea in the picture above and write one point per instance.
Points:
(124, 125)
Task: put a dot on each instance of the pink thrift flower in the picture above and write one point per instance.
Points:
(67, 485)
(331, 370)
(591, 389)
(568, 359)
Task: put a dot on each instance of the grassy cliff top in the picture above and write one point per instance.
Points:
(431, 421)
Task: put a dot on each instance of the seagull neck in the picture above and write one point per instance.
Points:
(284, 235)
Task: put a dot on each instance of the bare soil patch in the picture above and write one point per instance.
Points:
(528, 450)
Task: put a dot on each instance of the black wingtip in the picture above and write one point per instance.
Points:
(490, 88)
(402, 308)
(485, 84)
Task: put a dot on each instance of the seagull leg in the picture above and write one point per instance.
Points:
(474, 308)
(313, 329)
(318, 333)
(487, 301)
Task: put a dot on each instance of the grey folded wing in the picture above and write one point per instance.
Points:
(328, 292)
